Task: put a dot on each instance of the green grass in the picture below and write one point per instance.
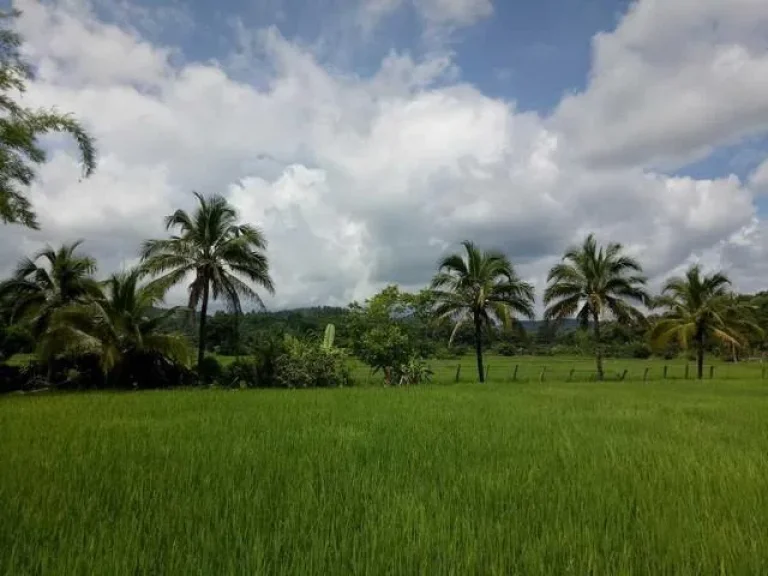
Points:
(564, 368)
(524, 478)
(20, 359)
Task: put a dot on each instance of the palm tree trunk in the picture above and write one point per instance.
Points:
(201, 343)
(598, 348)
(479, 348)
(700, 354)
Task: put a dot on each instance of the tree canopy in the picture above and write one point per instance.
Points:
(22, 128)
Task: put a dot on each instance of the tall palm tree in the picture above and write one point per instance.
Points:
(47, 282)
(120, 326)
(699, 308)
(592, 282)
(481, 287)
(221, 255)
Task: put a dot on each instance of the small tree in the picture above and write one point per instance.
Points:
(698, 308)
(42, 286)
(384, 348)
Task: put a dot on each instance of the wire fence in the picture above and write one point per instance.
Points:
(563, 372)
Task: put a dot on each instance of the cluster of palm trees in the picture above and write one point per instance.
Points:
(70, 312)
(119, 319)
(592, 283)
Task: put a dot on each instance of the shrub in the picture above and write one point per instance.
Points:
(307, 365)
(242, 374)
(641, 351)
(415, 371)
(12, 378)
(506, 349)
(210, 371)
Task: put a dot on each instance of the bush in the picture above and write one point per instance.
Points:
(210, 371)
(307, 365)
(506, 349)
(641, 351)
(415, 371)
(242, 374)
(12, 378)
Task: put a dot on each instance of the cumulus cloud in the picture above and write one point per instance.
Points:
(357, 181)
(673, 81)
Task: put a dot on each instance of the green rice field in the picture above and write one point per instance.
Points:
(527, 477)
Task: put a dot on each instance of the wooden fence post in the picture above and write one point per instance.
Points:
(645, 374)
(514, 376)
(458, 372)
(665, 372)
(711, 372)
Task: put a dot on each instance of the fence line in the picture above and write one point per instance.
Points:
(568, 372)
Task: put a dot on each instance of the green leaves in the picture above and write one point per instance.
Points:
(483, 283)
(481, 287)
(329, 336)
(222, 258)
(698, 307)
(20, 130)
(593, 281)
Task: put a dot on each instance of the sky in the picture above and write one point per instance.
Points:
(368, 138)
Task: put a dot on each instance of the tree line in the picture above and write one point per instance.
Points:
(476, 297)
(116, 330)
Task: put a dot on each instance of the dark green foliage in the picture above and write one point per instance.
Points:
(13, 378)
(21, 129)
(242, 373)
(444, 352)
(15, 339)
(210, 371)
(505, 349)
(50, 281)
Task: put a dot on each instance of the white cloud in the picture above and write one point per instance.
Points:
(674, 80)
(357, 182)
(759, 179)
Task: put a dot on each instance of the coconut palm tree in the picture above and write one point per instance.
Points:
(46, 283)
(50, 280)
(221, 256)
(122, 326)
(593, 282)
(482, 288)
(700, 308)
